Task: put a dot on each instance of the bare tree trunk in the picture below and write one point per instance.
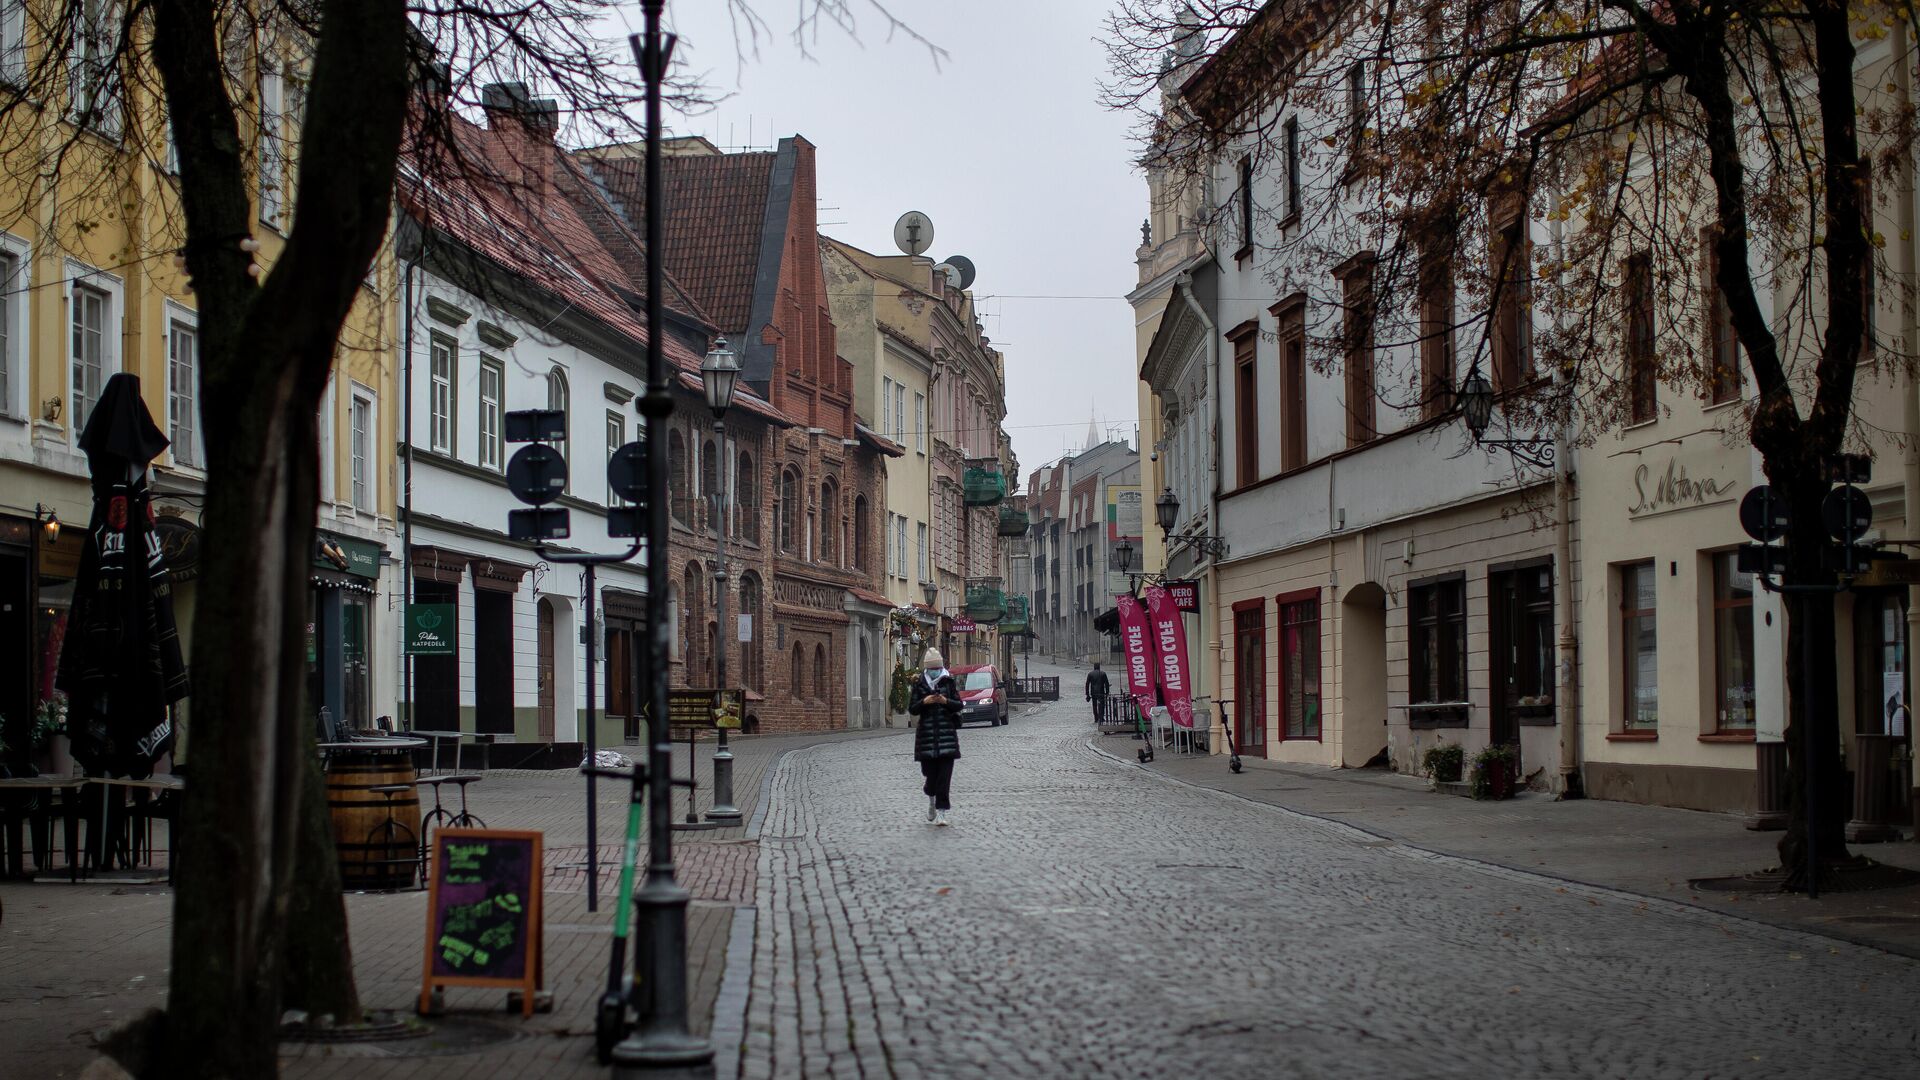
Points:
(318, 975)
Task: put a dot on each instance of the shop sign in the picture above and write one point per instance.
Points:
(1890, 572)
(355, 557)
(180, 545)
(1673, 489)
(61, 558)
(693, 707)
(963, 625)
(1186, 594)
(432, 630)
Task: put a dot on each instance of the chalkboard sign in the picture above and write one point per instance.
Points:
(483, 912)
(698, 708)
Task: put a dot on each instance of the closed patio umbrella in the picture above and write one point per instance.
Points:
(120, 666)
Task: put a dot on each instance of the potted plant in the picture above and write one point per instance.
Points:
(49, 734)
(1493, 772)
(1443, 762)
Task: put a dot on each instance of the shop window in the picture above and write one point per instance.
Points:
(1732, 644)
(1437, 642)
(1300, 668)
(1640, 675)
(1880, 662)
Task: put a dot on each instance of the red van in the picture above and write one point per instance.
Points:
(983, 696)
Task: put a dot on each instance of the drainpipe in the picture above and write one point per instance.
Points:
(1910, 333)
(406, 487)
(1184, 286)
(1567, 686)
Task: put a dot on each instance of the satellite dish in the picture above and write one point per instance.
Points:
(965, 266)
(913, 233)
(951, 271)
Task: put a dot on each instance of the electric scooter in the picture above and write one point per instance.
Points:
(610, 1022)
(1233, 749)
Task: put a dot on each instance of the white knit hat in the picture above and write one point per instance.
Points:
(933, 659)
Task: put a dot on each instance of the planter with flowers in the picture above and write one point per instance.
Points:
(1493, 770)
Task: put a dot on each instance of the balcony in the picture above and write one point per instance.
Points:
(1015, 620)
(983, 485)
(1013, 521)
(986, 600)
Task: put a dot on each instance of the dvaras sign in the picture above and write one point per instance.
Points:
(432, 630)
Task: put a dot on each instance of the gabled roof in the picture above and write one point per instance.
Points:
(715, 207)
(875, 440)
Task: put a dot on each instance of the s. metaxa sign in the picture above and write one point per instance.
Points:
(1673, 489)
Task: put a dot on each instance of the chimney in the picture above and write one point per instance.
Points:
(510, 102)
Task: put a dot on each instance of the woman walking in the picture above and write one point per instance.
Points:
(935, 699)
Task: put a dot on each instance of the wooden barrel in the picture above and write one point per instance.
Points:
(368, 860)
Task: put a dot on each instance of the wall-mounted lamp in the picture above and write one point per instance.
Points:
(50, 524)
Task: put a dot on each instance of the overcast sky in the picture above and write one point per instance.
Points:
(1002, 145)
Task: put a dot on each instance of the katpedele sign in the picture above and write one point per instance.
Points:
(1659, 493)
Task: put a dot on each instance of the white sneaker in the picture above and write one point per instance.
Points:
(940, 819)
(932, 801)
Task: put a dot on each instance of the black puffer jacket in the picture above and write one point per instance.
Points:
(937, 735)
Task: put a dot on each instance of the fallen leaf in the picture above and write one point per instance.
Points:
(1795, 956)
(943, 890)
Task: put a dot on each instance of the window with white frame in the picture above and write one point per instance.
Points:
(899, 412)
(13, 40)
(12, 328)
(493, 380)
(325, 420)
(900, 540)
(920, 422)
(924, 576)
(90, 349)
(893, 564)
(557, 401)
(270, 145)
(360, 432)
(94, 73)
(442, 367)
(616, 438)
(886, 407)
(183, 384)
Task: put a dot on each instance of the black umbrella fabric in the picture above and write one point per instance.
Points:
(121, 666)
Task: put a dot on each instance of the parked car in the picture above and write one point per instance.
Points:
(983, 694)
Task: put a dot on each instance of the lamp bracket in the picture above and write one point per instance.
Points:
(1536, 452)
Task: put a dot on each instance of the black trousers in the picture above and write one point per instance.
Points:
(1099, 708)
(939, 774)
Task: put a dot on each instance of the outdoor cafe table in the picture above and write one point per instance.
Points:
(16, 857)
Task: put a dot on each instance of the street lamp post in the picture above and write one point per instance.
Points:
(1475, 401)
(719, 375)
(662, 1037)
(931, 591)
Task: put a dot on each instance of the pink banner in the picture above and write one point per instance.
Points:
(1138, 648)
(1170, 652)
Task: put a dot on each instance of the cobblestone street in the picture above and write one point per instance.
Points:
(1084, 918)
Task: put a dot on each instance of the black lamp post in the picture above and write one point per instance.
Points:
(720, 376)
(663, 1037)
(1475, 400)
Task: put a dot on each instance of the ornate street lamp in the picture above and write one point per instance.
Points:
(1166, 511)
(720, 377)
(930, 590)
(1475, 402)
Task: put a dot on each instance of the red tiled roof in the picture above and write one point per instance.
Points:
(869, 596)
(714, 209)
(474, 192)
(878, 441)
(590, 201)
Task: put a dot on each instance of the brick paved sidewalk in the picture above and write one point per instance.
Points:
(1652, 850)
(76, 960)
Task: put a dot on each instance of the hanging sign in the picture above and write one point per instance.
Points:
(1135, 644)
(432, 630)
(964, 625)
(483, 913)
(1170, 654)
(1186, 594)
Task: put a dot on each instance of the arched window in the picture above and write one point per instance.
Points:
(829, 523)
(820, 672)
(712, 499)
(752, 660)
(693, 624)
(557, 400)
(789, 509)
(799, 672)
(860, 542)
(681, 501)
(746, 514)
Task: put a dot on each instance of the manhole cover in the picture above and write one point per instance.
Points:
(447, 1036)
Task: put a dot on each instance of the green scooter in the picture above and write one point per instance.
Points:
(610, 1020)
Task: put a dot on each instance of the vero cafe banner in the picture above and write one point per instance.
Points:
(1169, 635)
(1137, 648)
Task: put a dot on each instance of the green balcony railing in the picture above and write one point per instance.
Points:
(986, 602)
(983, 485)
(1013, 521)
(1015, 619)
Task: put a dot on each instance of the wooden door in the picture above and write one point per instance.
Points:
(546, 669)
(1250, 678)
